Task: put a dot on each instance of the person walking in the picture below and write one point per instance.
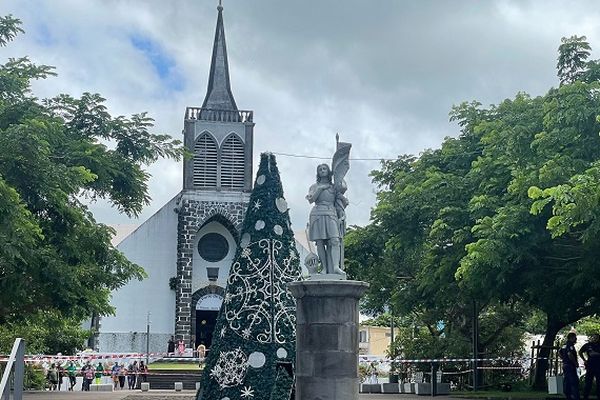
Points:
(180, 348)
(132, 371)
(114, 373)
(122, 376)
(99, 373)
(569, 365)
(87, 371)
(71, 373)
(143, 372)
(52, 377)
(61, 375)
(590, 354)
(171, 346)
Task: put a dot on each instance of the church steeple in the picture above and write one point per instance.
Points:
(218, 94)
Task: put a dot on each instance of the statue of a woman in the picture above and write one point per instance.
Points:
(327, 219)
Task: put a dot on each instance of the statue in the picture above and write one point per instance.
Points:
(327, 223)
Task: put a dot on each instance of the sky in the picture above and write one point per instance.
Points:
(383, 74)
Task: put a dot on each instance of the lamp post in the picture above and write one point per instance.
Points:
(148, 338)
(475, 345)
(392, 352)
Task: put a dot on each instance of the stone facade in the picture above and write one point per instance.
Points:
(193, 213)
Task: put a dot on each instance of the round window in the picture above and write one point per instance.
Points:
(213, 247)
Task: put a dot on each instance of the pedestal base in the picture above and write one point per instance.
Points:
(327, 338)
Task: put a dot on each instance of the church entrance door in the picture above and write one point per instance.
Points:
(205, 325)
(207, 310)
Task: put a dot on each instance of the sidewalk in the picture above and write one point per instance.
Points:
(172, 395)
(118, 395)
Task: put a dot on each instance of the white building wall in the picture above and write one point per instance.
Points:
(153, 245)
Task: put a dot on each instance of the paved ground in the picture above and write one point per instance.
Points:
(119, 395)
(171, 395)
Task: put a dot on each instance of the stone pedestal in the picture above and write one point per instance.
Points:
(327, 339)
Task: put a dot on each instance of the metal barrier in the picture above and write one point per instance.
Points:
(15, 362)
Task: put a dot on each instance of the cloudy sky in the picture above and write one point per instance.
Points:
(384, 74)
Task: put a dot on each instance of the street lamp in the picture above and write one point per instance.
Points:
(148, 338)
(388, 308)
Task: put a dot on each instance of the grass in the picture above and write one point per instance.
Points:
(174, 366)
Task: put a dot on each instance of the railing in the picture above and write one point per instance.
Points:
(16, 361)
(209, 114)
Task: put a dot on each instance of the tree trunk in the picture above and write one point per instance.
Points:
(552, 328)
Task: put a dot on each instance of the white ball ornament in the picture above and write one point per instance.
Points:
(256, 359)
(281, 352)
(278, 230)
(281, 204)
(260, 224)
(260, 180)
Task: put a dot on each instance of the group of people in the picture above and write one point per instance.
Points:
(171, 347)
(199, 351)
(134, 373)
(590, 354)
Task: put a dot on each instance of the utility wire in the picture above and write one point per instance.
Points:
(364, 159)
(328, 158)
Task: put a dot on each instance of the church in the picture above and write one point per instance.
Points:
(188, 245)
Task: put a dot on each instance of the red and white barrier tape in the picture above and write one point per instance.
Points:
(443, 360)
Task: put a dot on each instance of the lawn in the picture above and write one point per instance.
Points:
(174, 366)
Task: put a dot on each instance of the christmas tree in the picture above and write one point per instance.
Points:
(256, 328)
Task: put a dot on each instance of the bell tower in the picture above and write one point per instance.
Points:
(217, 181)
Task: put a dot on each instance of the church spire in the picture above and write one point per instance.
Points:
(218, 94)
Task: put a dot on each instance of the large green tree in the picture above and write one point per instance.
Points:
(504, 215)
(56, 154)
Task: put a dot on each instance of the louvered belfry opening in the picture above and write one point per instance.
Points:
(205, 161)
(232, 163)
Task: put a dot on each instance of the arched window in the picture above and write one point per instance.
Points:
(205, 161)
(232, 163)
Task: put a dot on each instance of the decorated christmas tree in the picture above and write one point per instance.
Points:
(255, 333)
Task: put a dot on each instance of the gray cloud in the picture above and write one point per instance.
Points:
(384, 74)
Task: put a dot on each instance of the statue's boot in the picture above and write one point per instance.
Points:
(323, 257)
(335, 251)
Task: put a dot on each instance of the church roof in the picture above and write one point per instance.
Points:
(218, 94)
(122, 231)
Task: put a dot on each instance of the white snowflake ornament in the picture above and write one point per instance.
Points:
(247, 392)
(230, 369)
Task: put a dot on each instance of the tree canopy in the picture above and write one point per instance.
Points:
(57, 154)
(504, 216)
